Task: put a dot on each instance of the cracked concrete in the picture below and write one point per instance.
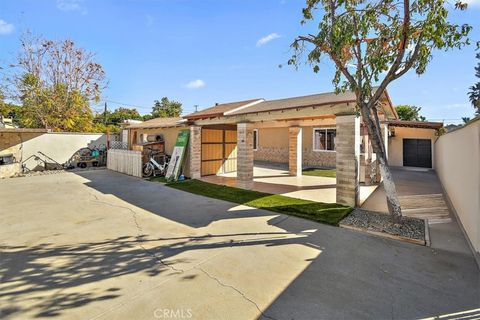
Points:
(101, 245)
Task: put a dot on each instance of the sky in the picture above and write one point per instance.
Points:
(201, 52)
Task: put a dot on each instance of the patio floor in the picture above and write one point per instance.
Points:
(275, 179)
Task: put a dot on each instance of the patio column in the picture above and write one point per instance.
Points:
(385, 137)
(244, 155)
(295, 151)
(347, 145)
(195, 152)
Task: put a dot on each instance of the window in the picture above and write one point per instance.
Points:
(324, 139)
(255, 139)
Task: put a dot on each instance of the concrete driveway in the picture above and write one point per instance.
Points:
(102, 245)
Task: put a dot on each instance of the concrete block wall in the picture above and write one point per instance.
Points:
(295, 151)
(245, 155)
(347, 163)
(194, 154)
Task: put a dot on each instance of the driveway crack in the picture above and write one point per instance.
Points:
(139, 239)
(237, 290)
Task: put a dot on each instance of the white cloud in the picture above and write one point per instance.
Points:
(5, 27)
(195, 84)
(267, 39)
(71, 5)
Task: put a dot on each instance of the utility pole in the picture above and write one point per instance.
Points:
(105, 115)
(196, 107)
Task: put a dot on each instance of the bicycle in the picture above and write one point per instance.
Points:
(152, 167)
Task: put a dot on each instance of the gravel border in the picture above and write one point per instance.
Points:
(380, 223)
(50, 172)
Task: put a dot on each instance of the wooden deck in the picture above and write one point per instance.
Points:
(426, 206)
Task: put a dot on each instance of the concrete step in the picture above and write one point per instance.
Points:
(426, 206)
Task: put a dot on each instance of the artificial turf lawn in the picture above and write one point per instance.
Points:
(161, 179)
(329, 173)
(329, 213)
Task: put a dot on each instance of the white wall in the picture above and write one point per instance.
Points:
(60, 146)
(457, 162)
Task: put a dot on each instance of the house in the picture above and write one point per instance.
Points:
(320, 130)
(6, 122)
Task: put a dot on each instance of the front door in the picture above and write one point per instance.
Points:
(417, 153)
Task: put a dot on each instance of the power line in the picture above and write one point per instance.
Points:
(190, 109)
(126, 104)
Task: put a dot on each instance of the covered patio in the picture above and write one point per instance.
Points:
(311, 131)
(276, 179)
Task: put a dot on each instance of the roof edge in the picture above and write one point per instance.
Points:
(226, 113)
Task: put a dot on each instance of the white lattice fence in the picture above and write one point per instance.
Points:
(125, 161)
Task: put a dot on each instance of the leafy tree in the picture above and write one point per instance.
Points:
(474, 94)
(166, 108)
(147, 117)
(409, 113)
(371, 44)
(54, 107)
(55, 81)
(120, 114)
(10, 110)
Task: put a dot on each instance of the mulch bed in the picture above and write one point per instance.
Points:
(410, 229)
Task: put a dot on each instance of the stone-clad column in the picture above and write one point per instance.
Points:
(347, 144)
(244, 155)
(195, 152)
(295, 151)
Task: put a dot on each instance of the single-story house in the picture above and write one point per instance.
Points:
(321, 130)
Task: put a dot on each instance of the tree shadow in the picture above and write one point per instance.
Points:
(47, 279)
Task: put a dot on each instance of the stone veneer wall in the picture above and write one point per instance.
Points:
(271, 154)
(319, 158)
(310, 158)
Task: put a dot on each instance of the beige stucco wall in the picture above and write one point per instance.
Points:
(273, 147)
(58, 146)
(457, 162)
(12, 142)
(169, 134)
(395, 144)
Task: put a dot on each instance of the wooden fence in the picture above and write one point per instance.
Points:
(125, 161)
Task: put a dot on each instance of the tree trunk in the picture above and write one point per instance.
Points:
(390, 191)
(378, 145)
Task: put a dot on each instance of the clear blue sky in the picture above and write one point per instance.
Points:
(206, 51)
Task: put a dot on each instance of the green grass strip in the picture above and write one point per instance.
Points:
(329, 213)
(329, 173)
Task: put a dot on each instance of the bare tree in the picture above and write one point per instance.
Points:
(55, 81)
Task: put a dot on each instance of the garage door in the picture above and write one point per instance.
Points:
(417, 153)
(219, 151)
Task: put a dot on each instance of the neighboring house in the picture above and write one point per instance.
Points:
(6, 123)
(319, 130)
